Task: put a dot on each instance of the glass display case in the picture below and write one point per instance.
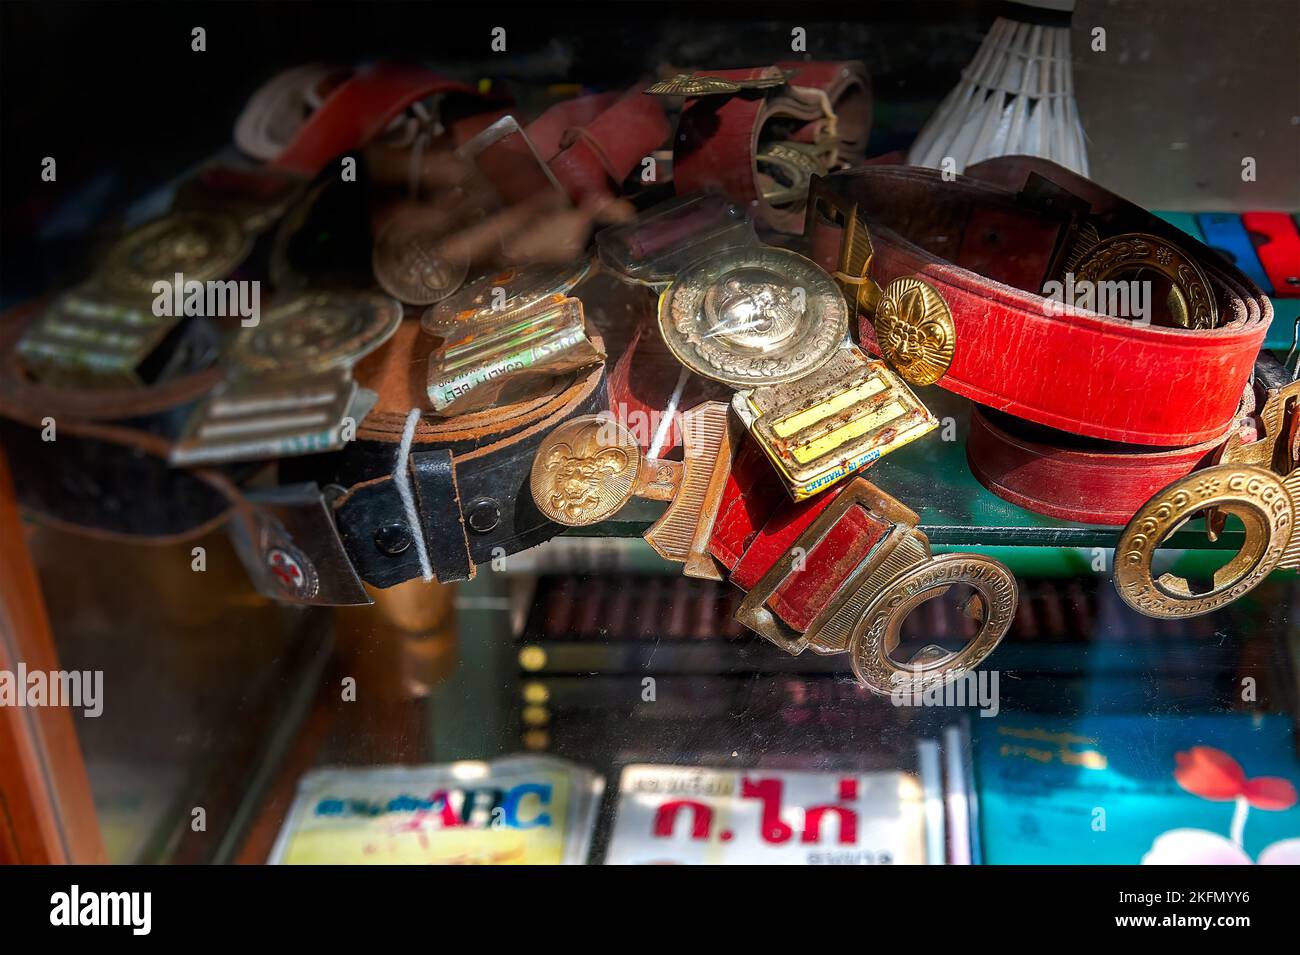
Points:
(367, 546)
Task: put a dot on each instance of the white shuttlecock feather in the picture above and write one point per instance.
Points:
(1015, 98)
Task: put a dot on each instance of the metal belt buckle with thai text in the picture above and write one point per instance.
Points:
(838, 420)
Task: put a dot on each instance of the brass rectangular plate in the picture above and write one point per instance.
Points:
(89, 340)
(499, 351)
(837, 421)
(254, 418)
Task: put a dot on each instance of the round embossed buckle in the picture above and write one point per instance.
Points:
(1260, 499)
(755, 315)
(879, 630)
(1190, 299)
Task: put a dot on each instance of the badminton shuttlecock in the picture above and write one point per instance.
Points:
(1015, 98)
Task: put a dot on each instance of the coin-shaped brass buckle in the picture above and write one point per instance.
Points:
(1191, 300)
(409, 259)
(587, 469)
(1260, 499)
(878, 631)
(755, 315)
(915, 330)
(316, 331)
(201, 246)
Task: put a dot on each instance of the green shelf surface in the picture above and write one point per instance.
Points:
(931, 477)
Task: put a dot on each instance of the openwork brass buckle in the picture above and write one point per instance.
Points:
(1191, 299)
(1257, 482)
(899, 573)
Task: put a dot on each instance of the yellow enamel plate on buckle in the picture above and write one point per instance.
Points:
(837, 421)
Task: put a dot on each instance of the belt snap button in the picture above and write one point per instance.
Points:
(483, 515)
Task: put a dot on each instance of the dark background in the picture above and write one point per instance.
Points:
(1185, 89)
(114, 92)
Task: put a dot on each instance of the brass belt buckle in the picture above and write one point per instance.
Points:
(1257, 482)
(838, 420)
(588, 468)
(289, 388)
(899, 573)
(854, 264)
(1191, 299)
(509, 355)
(87, 338)
(791, 166)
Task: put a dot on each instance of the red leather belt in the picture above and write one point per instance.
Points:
(837, 572)
(1072, 478)
(357, 111)
(964, 264)
(649, 388)
(718, 137)
(590, 143)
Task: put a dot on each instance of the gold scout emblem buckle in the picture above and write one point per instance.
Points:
(913, 324)
(589, 467)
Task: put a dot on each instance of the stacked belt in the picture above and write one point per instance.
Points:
(759, 135)
(306, 544)
(1079, 415)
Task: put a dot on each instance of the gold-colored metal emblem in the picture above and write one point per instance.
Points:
(865, 616)
(753, 315)
(409, 260)
(838, 420)
(915, 330)
(701, 84)
(588, 468)
(1257, 482)
(201, 246)
(689, 84)
(314, 332)
(1191, 300)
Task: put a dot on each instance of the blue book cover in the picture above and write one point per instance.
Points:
(1206, 789)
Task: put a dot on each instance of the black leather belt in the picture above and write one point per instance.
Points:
(468, 475)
